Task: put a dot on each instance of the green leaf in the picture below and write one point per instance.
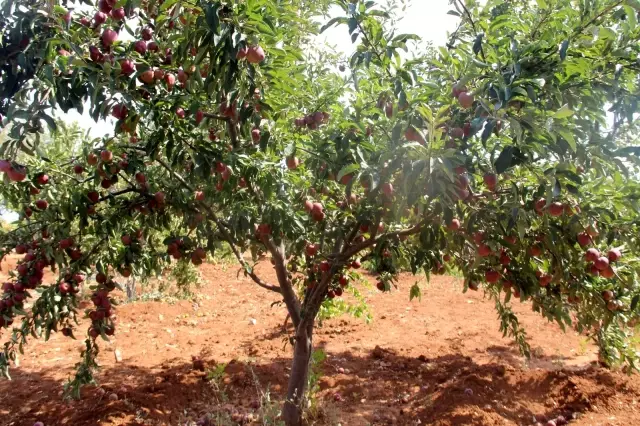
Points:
(333, 21)
(563, 112)
(504, 159)
(568, 136)
(347, 170)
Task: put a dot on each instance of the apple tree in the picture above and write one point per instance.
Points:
(508, 153)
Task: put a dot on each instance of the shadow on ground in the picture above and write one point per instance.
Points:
(380, 387)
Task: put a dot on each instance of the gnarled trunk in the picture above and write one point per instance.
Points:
(292, 410)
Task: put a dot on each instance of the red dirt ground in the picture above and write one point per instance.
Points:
(438, 361)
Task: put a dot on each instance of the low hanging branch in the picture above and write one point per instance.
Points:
(248, 270)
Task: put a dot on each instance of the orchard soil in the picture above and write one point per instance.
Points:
(439, 361)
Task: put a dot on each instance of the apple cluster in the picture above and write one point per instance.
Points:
(312, 121)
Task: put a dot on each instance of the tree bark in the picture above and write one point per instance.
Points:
(293, 406)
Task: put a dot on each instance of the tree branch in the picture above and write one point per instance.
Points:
(231, 126)
(225, 234)
(286, 289)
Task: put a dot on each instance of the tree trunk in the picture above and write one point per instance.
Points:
(292, 410)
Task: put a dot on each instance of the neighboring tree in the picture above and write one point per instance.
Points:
(509, 153)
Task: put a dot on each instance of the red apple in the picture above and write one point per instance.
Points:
(292, 162)
(93, 196)
(255, 55)
(147, 33)
(492, 276)
(584, 239)
(180, 113)
(491, 180)
(592, 255)
(556, 209)
(118, 14)
(601, 263)
(614, 255)
(170, 79)
(42, 204)
(109, 37)
(540, 205)
(255, 135)
(106, 156)
(159, 197)
(484, 250)
(466, 100)
(120, 112)
(311, 249)
(454, 225)
(608, 272)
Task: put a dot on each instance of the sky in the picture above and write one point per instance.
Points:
(426, 18)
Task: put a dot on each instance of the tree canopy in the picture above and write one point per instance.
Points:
(509, 153)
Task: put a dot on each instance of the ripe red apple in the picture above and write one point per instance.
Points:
(608, 272)
(584, 239)
(614, 255)
(106, 156)
(43, 179)
(180, 113)
(182, 76)
(454, 225)
(147, 76)
(535, 250)
(556, 209)
(592, 255)
(292, 162)
(255, 135)
(608, 295)
(78, 169)
(120, 112)
(484, 250)
(478, 237)
(159, 197)
(491, 180)
(17, 174)
(466, 100)
(505, 259)
(109, 37)
(311, 249)
(140, 177)
(64, 288)
(601, 263)
(42, 204)
(99, 18)
(388, 110)
(126, 239)
(242, 53)
(255, 54)
(170, 79)
(492, 276)
(540, 205)
(147, 33)
(199, 116)
(118, 14)
(324, 266)
(545, 280)
(317, 208)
